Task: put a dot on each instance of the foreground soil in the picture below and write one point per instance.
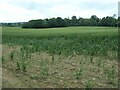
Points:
(78, 71)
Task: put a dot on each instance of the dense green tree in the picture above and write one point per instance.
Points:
(52, 22)
(36, 23)
(45, 23)
(108, 21)
(80, 21)
(86, 22)
(94, 20)
(59, 22)
(74, 21)
(67, 21)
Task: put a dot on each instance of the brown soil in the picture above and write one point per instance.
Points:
(61, 71)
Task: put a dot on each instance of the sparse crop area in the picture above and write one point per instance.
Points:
(70, 57)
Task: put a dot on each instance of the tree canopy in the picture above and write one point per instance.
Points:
(66, 22)
(59, 22)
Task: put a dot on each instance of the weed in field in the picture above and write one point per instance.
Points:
(53, 58)
(12, 54)
(88, 85)
(91, 59)
(3, 59)
(111, 74)
(44, 62)
(99, 63)
(44, 72)
(78, 73)
(25, 52)
(33, 76)
(22, 62)
(21, 65)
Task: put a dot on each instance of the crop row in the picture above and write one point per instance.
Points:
(73, 44)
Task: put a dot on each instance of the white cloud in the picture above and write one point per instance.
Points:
(10, 13)
(24, 10)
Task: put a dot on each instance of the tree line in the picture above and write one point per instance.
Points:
(66, 22)
(59, 22)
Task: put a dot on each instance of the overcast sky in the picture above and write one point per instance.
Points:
(25, 10)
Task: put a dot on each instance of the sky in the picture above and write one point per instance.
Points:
(119, 9)
(25, 10)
